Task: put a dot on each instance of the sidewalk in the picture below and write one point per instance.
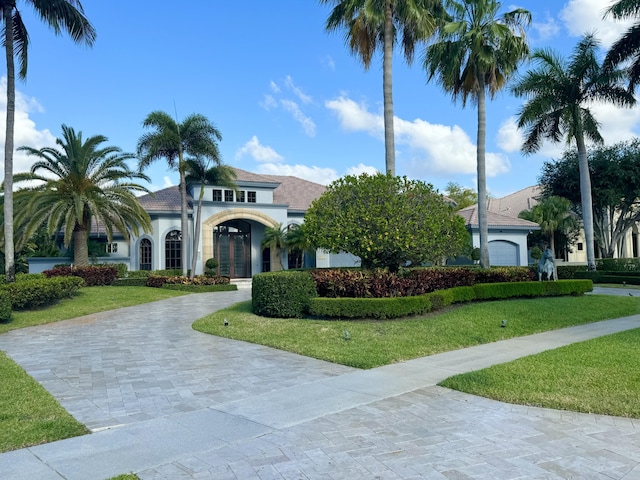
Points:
(271, 414)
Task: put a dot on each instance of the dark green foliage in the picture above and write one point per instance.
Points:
(496, 291)
(5, 307)
(282, 294)
(387, 221)
(160, 281)
(619, 264)
(504, 274)
(567, 272)
(200, 288)
(211, 264)
(630, 278)
(24, 276)
(369, 307)
(92, 275)
(34, 293)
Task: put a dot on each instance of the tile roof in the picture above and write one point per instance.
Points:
(511, 205)
(165, 200)
(470, 215)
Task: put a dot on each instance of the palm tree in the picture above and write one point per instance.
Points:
(296, 239)
(553, 214)
(61, 15)
(626, 47)
(79, 183)
(559, 94)
(195, 136)
(198, 171)
(373, 24)
(275, 237)
(475, 54)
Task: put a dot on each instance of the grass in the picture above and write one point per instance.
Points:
(596, 376)
(87, 301)
(373, 343)
(29, 415)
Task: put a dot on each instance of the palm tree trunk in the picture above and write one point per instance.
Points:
(80, 248)
(196, 235)
(552, 241)
(387, 91)
(482, 177)
(9, 254)
(585, 198)
(184, 221)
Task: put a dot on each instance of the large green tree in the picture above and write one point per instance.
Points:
(60, 15)
(387, 221)
(627, 47)
(560, 94)
(169, 140)
(474, 55)
(200, 171)
(615, 186)
(375, 24)
(79, 184)
(464, 197)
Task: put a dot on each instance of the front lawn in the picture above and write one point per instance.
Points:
(596, 376)
(372, 343)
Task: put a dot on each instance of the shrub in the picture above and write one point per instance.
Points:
(37, 292)
(505, 274)
(282, 294)
(568, 272)
(618, 264)
(5, 307)
(160, 281)
(92, 275)
(200, 288)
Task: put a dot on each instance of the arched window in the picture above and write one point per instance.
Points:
(172, 246)
(145, 254)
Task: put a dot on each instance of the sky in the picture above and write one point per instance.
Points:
(288, 97)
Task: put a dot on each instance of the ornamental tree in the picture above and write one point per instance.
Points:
(385, 220)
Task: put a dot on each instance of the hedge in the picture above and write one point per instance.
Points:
(92, 275)
(34, 293)
(631, 278)
(200, 288)
(159, 281)
(5, 307)
(404, 306)
(285, 294)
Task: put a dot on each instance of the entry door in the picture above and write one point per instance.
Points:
(232, 248)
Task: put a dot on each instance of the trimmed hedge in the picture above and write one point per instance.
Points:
(631, 278)
(92, 275)
(130, 282)
(5, 307)
(160, 281)
(200, 288)
(285, 294)
(34, 293)
(404, 306)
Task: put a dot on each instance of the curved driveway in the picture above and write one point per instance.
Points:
(168, 402)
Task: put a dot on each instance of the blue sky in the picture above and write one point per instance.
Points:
(287, 96)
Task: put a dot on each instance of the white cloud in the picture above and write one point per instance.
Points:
(362, 168)
(509, 137)
(258, 152)
(167, 182)
(328, 61)
(547, 29)
(304, 98)
(25, 131)
(320, 175)
(435, 149)
(268, 102)
(307, 123)
(274, 87)
(586, 16)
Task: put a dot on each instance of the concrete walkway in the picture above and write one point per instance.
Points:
(167, 402)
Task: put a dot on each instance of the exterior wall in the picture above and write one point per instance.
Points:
(517, 237)
(324, 259)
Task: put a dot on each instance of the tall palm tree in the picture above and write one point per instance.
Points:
(475, 54)
(276, 238)
(627, 47)
(559, 94)
(198, 170)
(61, 15)
(296, 239)
(195, 136)
(79, 183)
(374, 24)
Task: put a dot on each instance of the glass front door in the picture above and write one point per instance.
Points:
(232, 248)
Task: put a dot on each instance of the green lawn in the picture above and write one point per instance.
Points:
(373, 343)
(596, 376)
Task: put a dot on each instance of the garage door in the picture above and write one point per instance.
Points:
(503, 253)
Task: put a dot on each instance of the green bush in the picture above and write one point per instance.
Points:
(159, 281)
(5, 307)
(37, 292)
(463, 294)
(496, 291)
(370, 307)
(618, 264)
(622, 277)
(200, 288)
(282, 294)
(568, 272)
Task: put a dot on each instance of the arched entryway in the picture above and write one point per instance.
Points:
(232, 248)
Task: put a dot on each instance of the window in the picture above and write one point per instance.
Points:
(112, 248)
(251, 197)
(172, 246)
(145, 254)
(217, 195)
(228, 195)
(240, 196)
(580, 246)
